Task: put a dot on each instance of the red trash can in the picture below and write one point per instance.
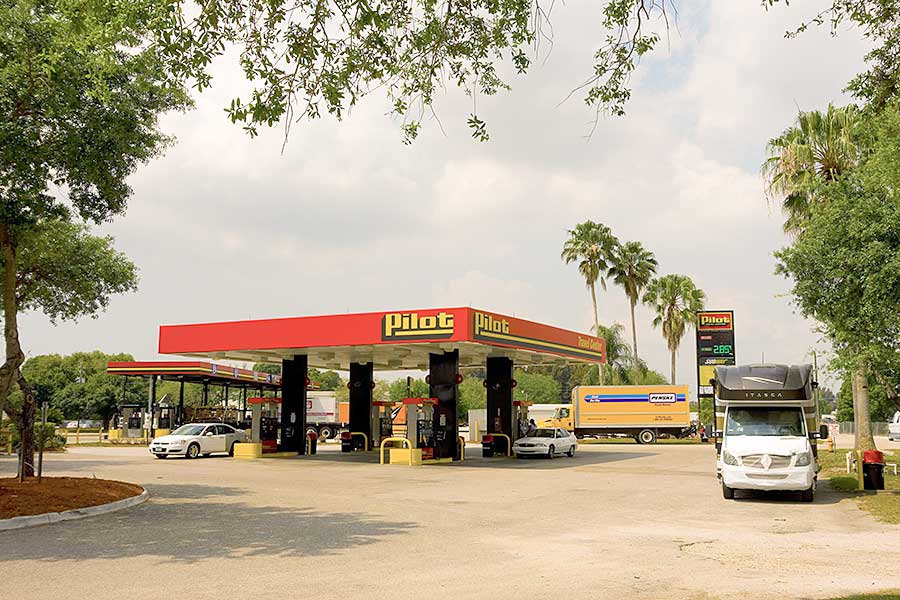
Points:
(873, 470)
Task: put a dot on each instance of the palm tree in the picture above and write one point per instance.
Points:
(632, 268)
(820, 148)
(618, 354)
(675, 300)
(591, 245)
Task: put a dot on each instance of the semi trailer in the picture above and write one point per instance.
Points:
(641, 411)
(325, 416)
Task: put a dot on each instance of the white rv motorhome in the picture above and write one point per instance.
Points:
(768, 429)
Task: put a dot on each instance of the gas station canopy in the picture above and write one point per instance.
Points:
(388, 340)
(196, 372)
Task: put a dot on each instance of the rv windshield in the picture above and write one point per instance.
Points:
(764, 421)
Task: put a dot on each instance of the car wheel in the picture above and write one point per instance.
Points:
(161, 455)
(551, 452)
(727, 492)
(326, 433)
(231, 449)
(808, 495)
(646, 436)
(519, 456)
(571, 452)
(193, 451)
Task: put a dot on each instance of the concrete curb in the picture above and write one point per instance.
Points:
(71, 515)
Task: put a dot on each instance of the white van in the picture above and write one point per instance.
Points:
(894, 427)
(767, 430)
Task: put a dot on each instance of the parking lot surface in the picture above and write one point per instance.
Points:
(615, 521)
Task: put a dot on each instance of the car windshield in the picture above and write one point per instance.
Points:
(548, 433)
(764, 421)
(189, 430)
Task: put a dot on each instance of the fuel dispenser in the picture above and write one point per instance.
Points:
(131, 421)
(382, 421)
(264, 422)
(520, 417)
(164, 416)
(420, 424)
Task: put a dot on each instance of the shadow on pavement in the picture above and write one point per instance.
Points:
(823, 496)
(581, 459)
(475, 459)
(174, 527)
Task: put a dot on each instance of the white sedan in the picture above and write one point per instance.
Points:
(546, 442)
(194, 439)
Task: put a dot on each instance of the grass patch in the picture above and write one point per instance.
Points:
(844, 483)
(834, 464)
(889, 594)
(884, 507)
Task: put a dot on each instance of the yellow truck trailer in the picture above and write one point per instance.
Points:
(641, 411)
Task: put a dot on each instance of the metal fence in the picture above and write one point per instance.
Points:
(877, 428)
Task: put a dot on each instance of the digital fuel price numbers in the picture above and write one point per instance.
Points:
(715, 343)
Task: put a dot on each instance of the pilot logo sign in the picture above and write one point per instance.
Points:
(487, 324)
(413, 326)
(715, 321)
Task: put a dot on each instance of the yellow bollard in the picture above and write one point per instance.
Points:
(859, 469)
(508, 443)
(405, 442)
(477, 439)
(364, 437)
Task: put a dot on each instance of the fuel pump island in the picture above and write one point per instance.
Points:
(440, 341)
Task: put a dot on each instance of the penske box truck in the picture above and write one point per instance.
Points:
(641, 411)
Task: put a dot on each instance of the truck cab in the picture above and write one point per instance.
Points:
(562, 418)
(767, 429)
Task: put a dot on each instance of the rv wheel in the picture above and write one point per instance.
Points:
(727, 492)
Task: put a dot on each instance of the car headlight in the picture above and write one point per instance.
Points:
(803, 459)
(729, 459)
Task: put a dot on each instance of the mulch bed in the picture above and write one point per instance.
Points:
(56, 494)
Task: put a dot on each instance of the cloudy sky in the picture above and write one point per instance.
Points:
(347, 218)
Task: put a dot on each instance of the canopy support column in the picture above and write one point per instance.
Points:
(443, 371)
(179, 421)
(361, 378)
(500, 397)
(293, 404)
(151, 405)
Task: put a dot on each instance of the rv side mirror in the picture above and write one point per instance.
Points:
(823, 432)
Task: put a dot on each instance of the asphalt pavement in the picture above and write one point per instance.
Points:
(615, 521)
